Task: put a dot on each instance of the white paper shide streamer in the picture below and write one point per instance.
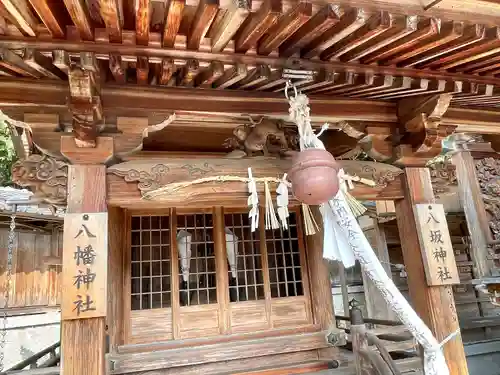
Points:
(345, 241)
(184, 240)
(282, 202)
(232, 251)
(253, 202)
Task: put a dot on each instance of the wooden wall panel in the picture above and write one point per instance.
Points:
(198, 321)
(150, 325)
(248, 316)
(34, 282)
(289, 311)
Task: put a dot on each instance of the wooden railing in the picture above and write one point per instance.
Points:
(372, 348)
(33, 361)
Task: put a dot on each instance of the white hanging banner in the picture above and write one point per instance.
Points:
(184, 249)
(231, 250)
(345, 241)
(348, 231)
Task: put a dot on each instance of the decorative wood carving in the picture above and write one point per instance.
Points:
(421, 129)
(443, 177)
(45, 176)
(85, 105)
(488, 174)
(267, 136)
(139, 177)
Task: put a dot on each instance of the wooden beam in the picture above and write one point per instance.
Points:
(435, 305)
(377, 25)
(13, 62)
(142, 70)
(257, 25)
(312, 29)
(165, 100)
(61, 60)
(286, 26)
(50, 14)
(142, 21)
(173, 22)
(234, 17)
(110, 14)
(209, 75)
(187, 73)
(258, 75)
(80, 15)
(155, 53)
(447, 33)
(349, 22)
(400, 28)
(42, 64)
(475, 213)
(473, 34)
(205, 14)
(116, 68)
(167, 69)
(427, 28)
(231, 76)
(128, 192)
(20, 11)
(490, 40)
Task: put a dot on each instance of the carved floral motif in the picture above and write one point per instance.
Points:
(146, 180)
(45, 176)
(443, 177)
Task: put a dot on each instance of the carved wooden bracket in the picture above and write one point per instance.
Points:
(85, 105)
(421, 129)
(45, 176)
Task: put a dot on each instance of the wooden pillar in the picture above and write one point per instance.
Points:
(475, 213)
(321, 289)
(83, 340)
(117, 233)
(376, 306)
(435, 305)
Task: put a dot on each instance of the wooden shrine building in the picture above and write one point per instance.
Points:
(110, 100)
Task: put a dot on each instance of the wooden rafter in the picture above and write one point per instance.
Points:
(79, 13)
(20, 11)
(50, 16)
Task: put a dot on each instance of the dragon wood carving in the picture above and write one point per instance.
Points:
(45, 176)
(267, 136)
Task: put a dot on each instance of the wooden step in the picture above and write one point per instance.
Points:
(303, 368)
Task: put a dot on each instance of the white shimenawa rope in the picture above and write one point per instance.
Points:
(346, 235)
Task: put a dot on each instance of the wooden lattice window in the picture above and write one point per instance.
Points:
(199, 288)
(150, 258)
(246, 281)
(283, 251)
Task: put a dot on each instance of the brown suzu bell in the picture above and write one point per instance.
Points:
(314, 176)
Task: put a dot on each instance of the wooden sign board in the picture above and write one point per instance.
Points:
(85, 265)
(435, 241)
